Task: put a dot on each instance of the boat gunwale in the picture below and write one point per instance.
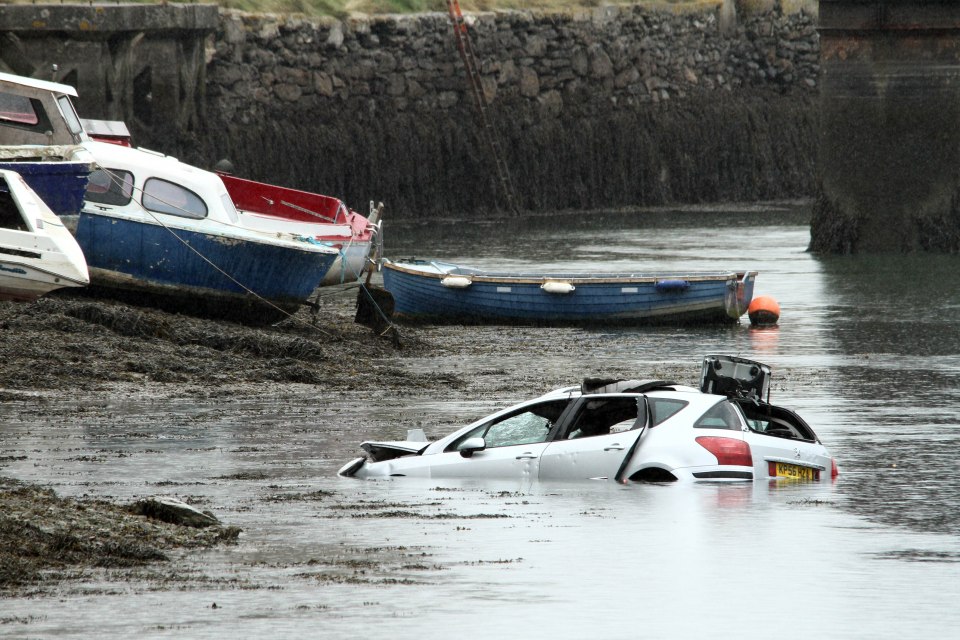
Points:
(582, 278)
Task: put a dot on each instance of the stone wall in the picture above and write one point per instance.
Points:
(610, 107)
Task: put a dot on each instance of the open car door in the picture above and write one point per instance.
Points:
(593, 444)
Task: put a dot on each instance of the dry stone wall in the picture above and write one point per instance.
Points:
(609, 107)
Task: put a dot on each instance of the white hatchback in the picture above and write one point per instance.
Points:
(623, 430)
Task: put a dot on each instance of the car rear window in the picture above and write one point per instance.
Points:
(720, 416)
(663, 408)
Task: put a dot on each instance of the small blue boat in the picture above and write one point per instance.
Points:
(436, 291)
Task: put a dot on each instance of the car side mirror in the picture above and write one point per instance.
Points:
(471, 445)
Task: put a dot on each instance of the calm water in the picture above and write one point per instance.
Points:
(872, 349)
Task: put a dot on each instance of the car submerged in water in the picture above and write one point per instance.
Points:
(626, 431)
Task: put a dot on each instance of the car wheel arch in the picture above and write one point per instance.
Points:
(652, 473)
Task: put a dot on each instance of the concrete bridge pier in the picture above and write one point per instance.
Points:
(889, 165)
(140, 63)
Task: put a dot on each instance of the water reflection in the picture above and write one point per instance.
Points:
(895, 318)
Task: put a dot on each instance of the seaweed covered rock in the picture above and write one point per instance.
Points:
(174, 511)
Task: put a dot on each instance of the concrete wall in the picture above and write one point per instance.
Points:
(890, 107)
(135, 62)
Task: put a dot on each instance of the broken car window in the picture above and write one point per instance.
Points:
(530, 425)
(604, 416)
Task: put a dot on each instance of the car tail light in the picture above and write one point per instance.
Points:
(834, 471)
(727, 450)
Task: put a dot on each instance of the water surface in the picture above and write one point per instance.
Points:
(871, 347)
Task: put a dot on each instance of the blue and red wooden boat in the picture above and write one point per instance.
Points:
(324, 218)
(161, 232)
(441, 292)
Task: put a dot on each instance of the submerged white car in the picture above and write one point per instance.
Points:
(623, 430)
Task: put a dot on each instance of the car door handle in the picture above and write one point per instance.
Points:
(613, 447)
(526, 456)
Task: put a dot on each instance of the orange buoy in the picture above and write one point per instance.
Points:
(763, 310)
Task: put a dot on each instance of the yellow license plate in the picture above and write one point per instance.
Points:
(793, 471)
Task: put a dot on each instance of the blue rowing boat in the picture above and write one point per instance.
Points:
(435, 291)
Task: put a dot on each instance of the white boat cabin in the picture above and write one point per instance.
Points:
(37, 112)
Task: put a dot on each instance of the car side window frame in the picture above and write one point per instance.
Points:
(657, 419)
(573, 424)
(483, 429)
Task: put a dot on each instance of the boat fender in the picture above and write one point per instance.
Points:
(557, 286)
(456, 282)
(672, 285)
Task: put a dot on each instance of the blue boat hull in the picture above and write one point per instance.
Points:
(593, 298)
(61, 185)
(167, 267)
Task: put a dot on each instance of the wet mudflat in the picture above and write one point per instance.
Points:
(106, 404)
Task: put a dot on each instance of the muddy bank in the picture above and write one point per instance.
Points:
(96, 348)
(64, 342)
(45, 539)
(69, 360)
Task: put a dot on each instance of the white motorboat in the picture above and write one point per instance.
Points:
(37, 252)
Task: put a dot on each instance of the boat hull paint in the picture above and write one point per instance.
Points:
(60, 185)
(37, 252)
(326, 219)
(144, 258)
(594, 298)
(24, 283)
(349, 265)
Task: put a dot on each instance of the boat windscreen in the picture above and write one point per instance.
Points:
(10, 216)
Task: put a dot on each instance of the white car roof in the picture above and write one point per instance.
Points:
(689, 395)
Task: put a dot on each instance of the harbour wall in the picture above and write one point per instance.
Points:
(602, 108)
(597, 108)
